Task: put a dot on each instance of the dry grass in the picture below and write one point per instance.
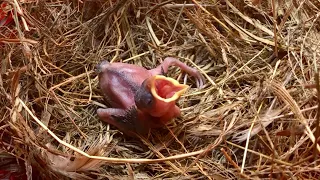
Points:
(257, 116)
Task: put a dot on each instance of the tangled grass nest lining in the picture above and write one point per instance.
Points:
(256, 117)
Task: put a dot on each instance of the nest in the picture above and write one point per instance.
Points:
(257, 116)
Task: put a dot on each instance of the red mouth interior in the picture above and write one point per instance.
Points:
(165, 88)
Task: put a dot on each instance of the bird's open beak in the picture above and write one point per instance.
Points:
(166, 89)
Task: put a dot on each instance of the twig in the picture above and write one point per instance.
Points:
(249, 20)
(89, 83)
(234, 164)
(275, 27)
(260, 154)
(286, 97)
(158, 5)
(317, 133)
(21, 15)
(248, 138)
(71, 119)
(211, 15)
(22, 40)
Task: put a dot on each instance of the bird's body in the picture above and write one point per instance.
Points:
(141, 99)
